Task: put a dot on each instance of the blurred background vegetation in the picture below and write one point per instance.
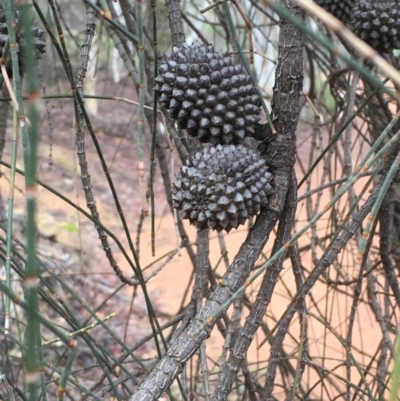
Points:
(72, 329)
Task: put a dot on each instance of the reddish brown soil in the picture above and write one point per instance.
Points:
(76, 237)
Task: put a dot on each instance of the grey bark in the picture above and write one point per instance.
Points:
(202, 267)
(303, 312)
(187, 344)
(4, 112)
(280, 153)
(325, 261)
(253, 321)
(159, 148)
(4, 383)
(175, 22)
(80, 140)
(385, 245)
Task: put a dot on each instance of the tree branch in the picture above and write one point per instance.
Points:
(253, 321)
(325, 261)
(187, 344)
(385, 244)
(175, 22)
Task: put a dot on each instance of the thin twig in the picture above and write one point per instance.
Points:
(385, 246)
(9, 87)
(253, 321)
(9, 389)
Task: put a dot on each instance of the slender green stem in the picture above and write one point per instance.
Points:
(375, 209)
(10, 214)
(394, 391)
(76, 383)
(82, 330)
(10, 16)
(244, 61)
(364, 166)
(331, 47)
(296, 380)
(86, 214)
(31, 273)
(358, 367)
(64, 54)
(4, 58)
(64, 60)
(69, 317)
(153, 130)
(353, 359)
(105, 10)
(65, 374)
(115, 24)
(337, 135)
(142, 89)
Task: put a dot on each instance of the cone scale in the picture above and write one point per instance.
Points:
(221, 186)
(209, 96)
(378, 23)
(37, 36)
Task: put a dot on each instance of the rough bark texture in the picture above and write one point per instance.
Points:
(280, 153)
(187, 344)
(325, 261)
(255, 318)
(175, 22)
(4, 113)
(200, 289)
(385, 248)
(288, 86)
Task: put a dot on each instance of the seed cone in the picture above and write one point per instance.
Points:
(221, 186)
(208, 95)
(37, 35)
(341, 9)
(378, 23)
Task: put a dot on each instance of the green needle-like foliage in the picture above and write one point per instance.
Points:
(302, 302)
